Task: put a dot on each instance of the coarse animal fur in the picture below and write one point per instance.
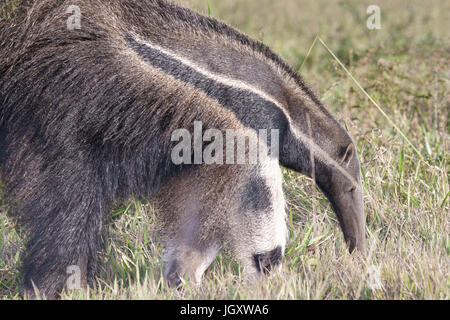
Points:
(86, 118)
(239, 207)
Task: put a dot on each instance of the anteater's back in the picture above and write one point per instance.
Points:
(90, 94)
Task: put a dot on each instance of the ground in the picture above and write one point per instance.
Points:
(405, 68)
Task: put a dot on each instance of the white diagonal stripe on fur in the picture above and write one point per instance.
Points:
(238, 84)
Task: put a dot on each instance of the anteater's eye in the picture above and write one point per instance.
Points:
(352, 189)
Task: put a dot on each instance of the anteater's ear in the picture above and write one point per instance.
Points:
(347, 155)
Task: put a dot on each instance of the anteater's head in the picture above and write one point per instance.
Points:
(318, 146)
(345, 194)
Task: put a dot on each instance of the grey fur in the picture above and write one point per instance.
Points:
(86, 117)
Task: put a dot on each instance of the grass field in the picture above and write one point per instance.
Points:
(405, 67)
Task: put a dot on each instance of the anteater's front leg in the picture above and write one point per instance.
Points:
(257, 232)
(64, 215)
(190, 246)
(238, 207)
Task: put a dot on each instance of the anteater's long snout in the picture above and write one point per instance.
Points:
(349, 208)
(342, 184)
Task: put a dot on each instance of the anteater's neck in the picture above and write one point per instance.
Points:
(255, 89)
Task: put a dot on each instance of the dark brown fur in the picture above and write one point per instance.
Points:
(86, 118)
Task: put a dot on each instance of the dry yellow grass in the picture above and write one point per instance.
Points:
(405, 67)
